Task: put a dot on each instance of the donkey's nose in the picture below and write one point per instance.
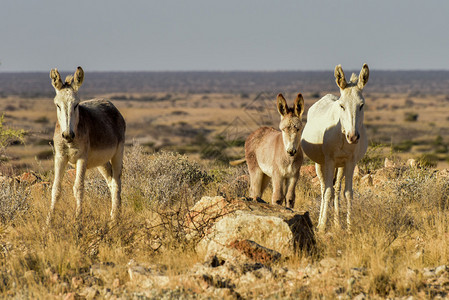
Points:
(292, 152)
(353, 138)
(69, 135)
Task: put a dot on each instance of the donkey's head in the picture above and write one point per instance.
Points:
(291, 124)
(67, 100)
(351, 102)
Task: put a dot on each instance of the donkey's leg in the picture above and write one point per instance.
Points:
(116, 183)
(329, 168)
(290, 198)
(319, 172)
(60, 165)
(278, 196)
(256, 177)
(106, 171)
(78, 187)
(349, 173)
(337, 188)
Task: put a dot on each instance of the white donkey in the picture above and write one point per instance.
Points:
(335, 138)
(277, 154)
(87, 134)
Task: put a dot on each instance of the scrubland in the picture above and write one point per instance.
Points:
(400, 234)
(179, 144)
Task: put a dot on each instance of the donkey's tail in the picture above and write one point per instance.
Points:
(237, 162)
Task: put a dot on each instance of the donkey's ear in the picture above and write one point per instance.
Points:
(299, 105)
(340, 77)
(78, 78)
(56, 79)
(363, 77)
(282, 105)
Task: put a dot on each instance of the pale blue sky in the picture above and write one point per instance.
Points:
(139, 35)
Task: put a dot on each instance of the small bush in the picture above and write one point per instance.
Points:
(13, 201)
(163, 178)
(8, 136)
(428, 160)
(411, 117)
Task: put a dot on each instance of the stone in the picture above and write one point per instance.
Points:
(440, 270)
(308, 171)
(28, 178)
(255, 252)
(223, 222)
(77, 282)
(412, 163)
(366, 180)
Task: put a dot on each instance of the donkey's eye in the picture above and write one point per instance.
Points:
(76, 105)
(361, 106)
(342, 107)
(58, 107)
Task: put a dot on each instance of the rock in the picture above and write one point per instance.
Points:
(389, 163)
(28, 178)
(428, 272)
(71, 296)
(77, 282)
(328, 263)
(116, 283)
(308, 171)
(412, 163)
(255, 252)
(440, 270)
(90, 293)
(443, 173)
(367, 180)
(103, 271)
(223, 222)
(360, 296)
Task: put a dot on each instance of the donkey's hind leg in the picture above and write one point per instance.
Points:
(337, 192)
(257, 183)
(107, 171)
(116, 182)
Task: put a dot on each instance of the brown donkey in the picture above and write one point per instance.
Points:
(88, 134)
(277, 154)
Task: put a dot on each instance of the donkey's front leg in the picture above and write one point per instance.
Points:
(290, 198)
(329, 168)
(60, 165)
(78, 187)
(278, 196)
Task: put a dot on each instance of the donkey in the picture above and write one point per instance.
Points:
(335, 139)
(88, 134)
(277, 154)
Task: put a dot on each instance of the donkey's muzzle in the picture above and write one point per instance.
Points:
(292, 152)
(68, 135)
(353, 138)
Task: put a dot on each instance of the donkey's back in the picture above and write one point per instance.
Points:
(103, 122)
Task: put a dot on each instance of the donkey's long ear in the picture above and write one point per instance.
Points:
(340, 77)
(299, 105)
(78, 78)
(282, 105)
(56, 79)
(363, 77)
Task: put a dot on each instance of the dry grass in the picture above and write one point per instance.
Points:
(400, 226)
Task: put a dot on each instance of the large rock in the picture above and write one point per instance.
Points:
(248, 229)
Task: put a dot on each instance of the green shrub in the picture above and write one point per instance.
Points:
(411, 117)
(8, 135)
